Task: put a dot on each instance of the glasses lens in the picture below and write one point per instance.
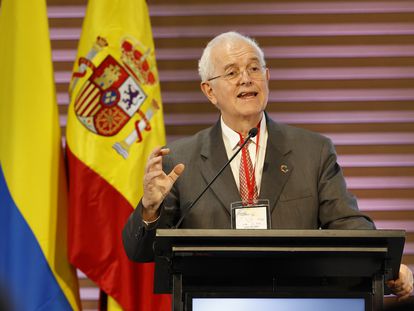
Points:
(254, 71)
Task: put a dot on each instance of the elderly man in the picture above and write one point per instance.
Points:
(294, 170)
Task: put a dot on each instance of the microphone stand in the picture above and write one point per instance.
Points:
(252, 133)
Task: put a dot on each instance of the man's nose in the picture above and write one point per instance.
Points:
(245, 77)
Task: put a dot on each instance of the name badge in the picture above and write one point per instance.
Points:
(250, 216)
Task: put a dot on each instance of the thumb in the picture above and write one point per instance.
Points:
(176, 172)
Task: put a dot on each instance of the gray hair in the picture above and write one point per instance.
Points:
(205, 66)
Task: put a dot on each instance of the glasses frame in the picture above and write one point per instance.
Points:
(241, 72)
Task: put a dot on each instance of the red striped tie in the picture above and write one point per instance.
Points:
(248, 187)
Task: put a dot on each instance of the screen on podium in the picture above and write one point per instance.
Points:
(279, 304)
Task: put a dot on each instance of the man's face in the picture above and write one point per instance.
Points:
(241, 91)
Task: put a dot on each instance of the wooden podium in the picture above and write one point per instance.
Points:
(276, 263)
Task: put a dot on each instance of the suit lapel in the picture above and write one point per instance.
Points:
(276, 167)
(213, 157)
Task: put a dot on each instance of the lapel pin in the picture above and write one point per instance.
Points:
(284, 168)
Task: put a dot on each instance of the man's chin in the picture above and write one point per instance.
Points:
(254, 114)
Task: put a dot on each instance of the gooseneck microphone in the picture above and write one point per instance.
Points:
(252, 133)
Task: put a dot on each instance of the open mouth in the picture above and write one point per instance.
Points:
(247, 94)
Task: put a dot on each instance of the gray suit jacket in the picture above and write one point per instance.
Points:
(312, 194)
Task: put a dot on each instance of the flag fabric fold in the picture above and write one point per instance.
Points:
(114, 121)
(35, 273)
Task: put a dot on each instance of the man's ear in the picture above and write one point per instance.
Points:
(267, 74)
(208, 91)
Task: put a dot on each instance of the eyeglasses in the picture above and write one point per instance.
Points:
(254, 71)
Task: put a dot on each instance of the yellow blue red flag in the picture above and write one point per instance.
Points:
(35, 273)
(115, 119)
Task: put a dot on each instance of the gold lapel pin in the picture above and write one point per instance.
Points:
(284, 168)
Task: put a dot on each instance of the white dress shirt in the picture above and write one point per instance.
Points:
(257, 151)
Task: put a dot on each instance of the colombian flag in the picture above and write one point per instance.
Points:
(34, 269)
(115, 119)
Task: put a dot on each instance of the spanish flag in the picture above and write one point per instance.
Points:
(115, 119)
(35, 273)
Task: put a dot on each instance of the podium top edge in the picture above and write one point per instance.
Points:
(383, 233)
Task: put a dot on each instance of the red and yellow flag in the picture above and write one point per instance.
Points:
(115, 119)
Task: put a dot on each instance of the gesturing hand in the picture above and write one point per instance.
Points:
(157, 184)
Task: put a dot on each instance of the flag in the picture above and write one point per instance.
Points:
(35, 273)
(115, 120)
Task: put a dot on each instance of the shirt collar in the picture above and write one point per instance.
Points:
(234, 138)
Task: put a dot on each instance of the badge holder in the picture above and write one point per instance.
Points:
(255, 215)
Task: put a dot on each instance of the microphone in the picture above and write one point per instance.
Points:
(252, 133)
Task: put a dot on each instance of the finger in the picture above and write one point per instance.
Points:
(404, 291)
(158, 151)
(153, 164)
(395, 285)
(155, 152)
(164, 151)
(391, 284)
(151, 175)
(176, 172)
(399, 284)
(403, 296)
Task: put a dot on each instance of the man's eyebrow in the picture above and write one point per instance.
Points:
(252, 59)
(229, 66)
(255, 59)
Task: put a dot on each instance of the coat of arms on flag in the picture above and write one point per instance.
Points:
(113, 92)
(115, 119)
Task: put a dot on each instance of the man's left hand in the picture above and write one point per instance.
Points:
(403, 286)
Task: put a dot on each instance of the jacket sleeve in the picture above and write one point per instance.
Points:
(137, 237)
(338, 209)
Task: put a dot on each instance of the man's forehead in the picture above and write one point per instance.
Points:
(247, 61)
(234, 53)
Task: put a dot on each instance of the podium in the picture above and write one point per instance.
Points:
(276, 264)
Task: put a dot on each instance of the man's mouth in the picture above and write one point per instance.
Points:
(247, 94)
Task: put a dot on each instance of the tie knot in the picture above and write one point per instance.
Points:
(242, 141)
